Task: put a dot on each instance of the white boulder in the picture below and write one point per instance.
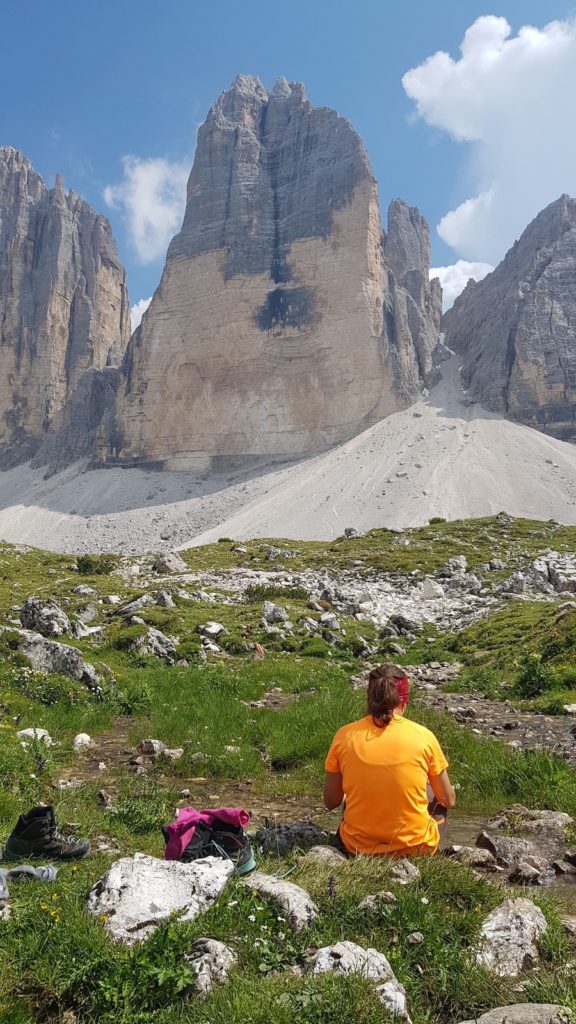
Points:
(377, 901)
(82, 741)
(431, 590)
(44, 617)
(274, 612)
(349, 958)
(292, 900)
(327, 855)
(211, 962)
(509, 938)
(404, 871)
(41, 735)
(51, 656)
(525, 1013)
(151, 748)
(139, 892)
(170, 562)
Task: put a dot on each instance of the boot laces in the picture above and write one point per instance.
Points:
(61, 838)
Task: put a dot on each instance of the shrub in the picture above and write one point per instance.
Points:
(357, 647)
(96, 565)
(47, 690)
(15, 767)
(315, 647)
(485, 681)
(231, 644)
(533, 678)
(126, 638)
(565, 676)
(555, 706)
(436, 519)
(9, 644)
(135, 699)
(189, 648)
(144, 808)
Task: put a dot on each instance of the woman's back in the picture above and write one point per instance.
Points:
(384, 773)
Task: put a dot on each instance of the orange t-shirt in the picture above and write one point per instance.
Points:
(384, 775)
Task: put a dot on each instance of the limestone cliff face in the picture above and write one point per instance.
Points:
(418, 300)
(63, 302)
(516, 329)
(284, 321)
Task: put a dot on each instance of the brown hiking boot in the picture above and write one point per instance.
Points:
(36, 835)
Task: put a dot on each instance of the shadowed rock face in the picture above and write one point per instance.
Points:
(418, 300)
(63, 302)
(270, 169)
(516, 329)
(279, 327)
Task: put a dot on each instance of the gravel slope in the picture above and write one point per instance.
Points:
(441, 457)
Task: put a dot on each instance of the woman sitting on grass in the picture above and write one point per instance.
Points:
(381, 765)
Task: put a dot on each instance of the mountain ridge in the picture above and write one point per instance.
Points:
(516, 328)
(286, 319)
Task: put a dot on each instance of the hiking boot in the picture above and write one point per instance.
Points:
(232, 844)
(199, 845)
(36, 835)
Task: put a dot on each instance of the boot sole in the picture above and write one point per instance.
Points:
(12, 855)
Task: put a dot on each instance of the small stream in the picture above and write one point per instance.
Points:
(114, 749)
(463, 829)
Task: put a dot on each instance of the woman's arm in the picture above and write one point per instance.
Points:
(443, 789)
(333, 791)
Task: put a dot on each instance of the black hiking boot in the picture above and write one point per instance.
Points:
(36, 835)
(232, 844)
(199, 845)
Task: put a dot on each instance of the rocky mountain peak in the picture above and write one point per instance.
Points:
(63, 301)
(285, 320)
(548, 228)
(269, 169)
(406, 246)
(279, 326)
(515, 328)
(407, 240)
(18, 179)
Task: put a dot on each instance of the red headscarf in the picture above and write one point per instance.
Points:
(403, 685)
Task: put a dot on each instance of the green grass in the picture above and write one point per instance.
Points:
(56, 959)
(428, 549)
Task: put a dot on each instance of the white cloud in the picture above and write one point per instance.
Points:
(152, 196)
(455, 278)
(137, 311)
(509, 97)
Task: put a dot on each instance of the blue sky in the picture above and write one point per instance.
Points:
(84, 85)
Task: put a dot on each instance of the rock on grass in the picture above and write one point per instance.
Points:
(510, 936)
(49, 656)
(44, 617)
(140, 892)
(170, 562)
(350, 958)
(525, 1013)
(211, 962)
(292, 900)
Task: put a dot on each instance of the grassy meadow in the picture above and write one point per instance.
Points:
(57, 964)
